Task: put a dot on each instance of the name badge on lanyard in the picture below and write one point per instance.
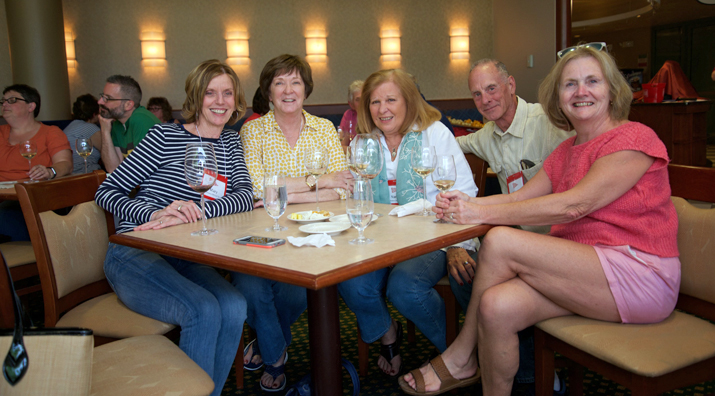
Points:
(219, 188)
(515, 182)
(392, 186)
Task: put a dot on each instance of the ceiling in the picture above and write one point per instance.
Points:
(669, 12)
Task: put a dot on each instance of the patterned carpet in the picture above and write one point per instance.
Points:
(376, 383)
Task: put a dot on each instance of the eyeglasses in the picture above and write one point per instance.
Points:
(11, 100)
(154, 108)
(107, 98)
(596, 46)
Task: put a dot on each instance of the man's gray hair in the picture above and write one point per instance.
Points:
(129, 87)
(501, 67)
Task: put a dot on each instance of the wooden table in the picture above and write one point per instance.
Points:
(8, 194)
(318, 270)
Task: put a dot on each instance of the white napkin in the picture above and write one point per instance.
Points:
(7, 184)
(317, 240)
(410, 208)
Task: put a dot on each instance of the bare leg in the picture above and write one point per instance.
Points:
(534, 277)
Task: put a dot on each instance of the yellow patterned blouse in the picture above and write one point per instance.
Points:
(268, 150)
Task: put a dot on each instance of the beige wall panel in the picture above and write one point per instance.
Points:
(5, 65)
(523, 28)
(107, 41)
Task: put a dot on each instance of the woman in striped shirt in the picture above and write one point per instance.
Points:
(209, 310)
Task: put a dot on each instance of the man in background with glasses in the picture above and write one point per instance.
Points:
(124, 123)
(516, 139)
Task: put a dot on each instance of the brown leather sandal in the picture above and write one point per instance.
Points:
(448, 382)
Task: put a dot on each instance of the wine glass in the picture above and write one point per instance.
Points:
(28, 150)
(316, 160)
(444, 175)
(201, 170)
(84, 149)
(360, 207)
(275, 198)
(423, 163)
(366, 155)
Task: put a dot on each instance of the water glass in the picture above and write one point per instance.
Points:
(360, 207)
(275, 198)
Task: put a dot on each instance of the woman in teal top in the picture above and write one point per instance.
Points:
(392, 106)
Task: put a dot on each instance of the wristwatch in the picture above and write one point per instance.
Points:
(310, 181)
(53, 171)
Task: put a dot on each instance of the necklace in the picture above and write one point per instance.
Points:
(394, 153)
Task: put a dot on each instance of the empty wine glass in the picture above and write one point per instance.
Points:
(84, 149)
(201, 170)
(360, 207)
(275, 198)
(28, 150)
(444, 175)
(316, 160)
(423, 163)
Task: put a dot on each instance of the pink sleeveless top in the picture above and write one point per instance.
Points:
(643, 217)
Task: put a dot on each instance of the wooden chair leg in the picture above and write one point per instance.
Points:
(575, 379)
(363, 356)
(411, 337)
(452, 316)
(544, 369)
(238, 362)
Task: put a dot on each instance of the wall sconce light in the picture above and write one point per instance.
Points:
(390, 45)
(237, 48)
(69, 48)
(459, 43)
(316, 47)
(153, 49)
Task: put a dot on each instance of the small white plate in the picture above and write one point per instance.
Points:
(7, 184)
(325, 228)
(343, 218)
(307, 213)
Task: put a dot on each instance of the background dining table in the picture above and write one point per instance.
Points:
(319, 270)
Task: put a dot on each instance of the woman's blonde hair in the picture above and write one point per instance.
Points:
(619, 91)
(198, 81)
(419, 113)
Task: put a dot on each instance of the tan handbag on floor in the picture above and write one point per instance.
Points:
(51, 361)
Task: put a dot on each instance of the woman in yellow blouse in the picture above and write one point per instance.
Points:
(276, 142)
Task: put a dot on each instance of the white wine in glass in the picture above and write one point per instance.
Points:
(275, 198)
(366, 155)
(84, 149)
(201, 171)
(423, 163)
(28, 150)
(316, 161)
(360, 207)
(444, 175)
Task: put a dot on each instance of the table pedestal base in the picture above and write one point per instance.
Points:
(324, 333)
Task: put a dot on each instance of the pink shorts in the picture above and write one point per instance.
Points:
(644, 286)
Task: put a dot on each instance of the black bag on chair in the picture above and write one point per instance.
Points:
(42, 361)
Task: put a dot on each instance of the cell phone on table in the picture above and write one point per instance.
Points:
(259, 241)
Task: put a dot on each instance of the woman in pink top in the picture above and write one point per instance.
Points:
(612, 253)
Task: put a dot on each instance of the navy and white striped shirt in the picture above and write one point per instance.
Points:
(157, 166)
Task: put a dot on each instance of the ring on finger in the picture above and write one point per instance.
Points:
(161, 221)
(466, 263)
(179, 208)
(451, 216)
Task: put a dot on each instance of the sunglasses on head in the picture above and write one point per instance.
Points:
(597, 46)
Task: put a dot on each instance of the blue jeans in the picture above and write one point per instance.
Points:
(410, 288)
(209, 310)
(12, 222)
(272, 308)
(363, 295)
(525, 374)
